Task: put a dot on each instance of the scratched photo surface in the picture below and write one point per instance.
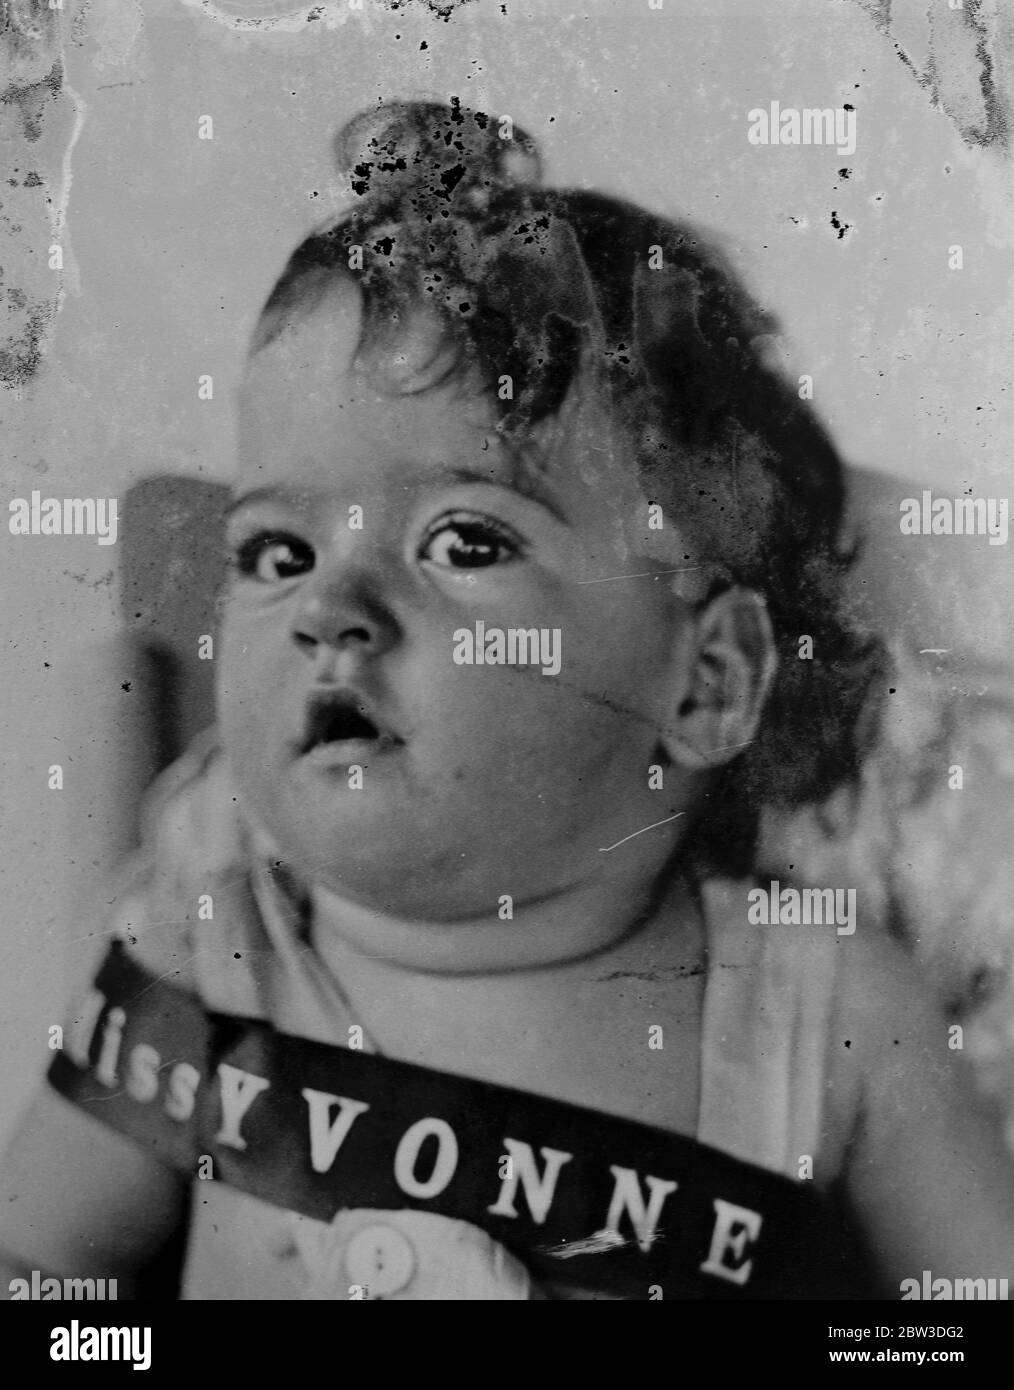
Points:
(509, 709)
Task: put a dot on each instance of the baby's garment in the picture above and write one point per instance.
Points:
(208, 909)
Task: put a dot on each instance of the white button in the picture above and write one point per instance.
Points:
(380, 1259)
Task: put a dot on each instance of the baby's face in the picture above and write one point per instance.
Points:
(370, 530)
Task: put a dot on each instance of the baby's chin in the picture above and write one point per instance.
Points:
(410, 870)
(416, 892)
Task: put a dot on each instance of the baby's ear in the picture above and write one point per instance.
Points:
(730, 664)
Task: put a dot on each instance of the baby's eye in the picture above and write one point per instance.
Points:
(466, 541)
(270, 557)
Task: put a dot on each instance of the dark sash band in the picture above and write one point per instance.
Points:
(585, 1199)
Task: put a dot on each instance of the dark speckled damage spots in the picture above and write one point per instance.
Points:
(31, 99)
(21, 348)
(30, 40)
(253, 16)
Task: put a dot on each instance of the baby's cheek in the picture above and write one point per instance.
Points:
(243, 687)
(568, 744)
(623, 642)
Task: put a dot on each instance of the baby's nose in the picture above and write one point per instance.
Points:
(345, 607)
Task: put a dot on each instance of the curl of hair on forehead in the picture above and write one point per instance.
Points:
(465, 266)
(423, 156)
(448, 217)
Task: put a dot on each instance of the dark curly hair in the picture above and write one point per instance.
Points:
(559, 288)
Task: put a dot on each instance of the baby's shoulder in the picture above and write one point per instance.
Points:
(887, 1027)
(883, 994)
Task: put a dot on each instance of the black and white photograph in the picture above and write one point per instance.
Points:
(509, 705)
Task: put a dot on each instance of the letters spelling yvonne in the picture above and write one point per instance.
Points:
(331, 1117)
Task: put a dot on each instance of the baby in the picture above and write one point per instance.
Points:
(440, 974)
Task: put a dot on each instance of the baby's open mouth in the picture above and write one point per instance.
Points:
(342, 716)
